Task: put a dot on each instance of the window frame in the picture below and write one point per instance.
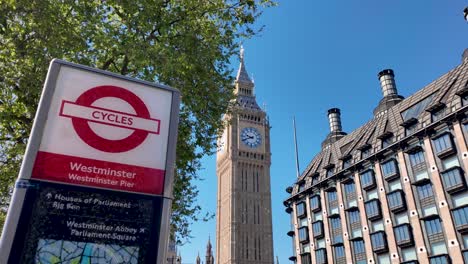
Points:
(303, 234)
(393, 175)
(458, 187)
(448, 140)
(370, 185)
(463, 227)
(396, 208)
(409, 240)
(381, 248)
(302, 205)
(322, 231)
(319, 205)
(324, 256)
(378, 214)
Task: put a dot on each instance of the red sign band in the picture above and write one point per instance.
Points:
(97, 173)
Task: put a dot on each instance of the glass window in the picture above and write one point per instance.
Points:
(450, 162)
(396, 200)
(317, 228)
(442, 143)
(305, 248)
(303, 234)
(365, 153)
(403, 235)
(315, 203)
(425, 191)
(339, 252)
(305, 258)
(465, 256)
(335, 223)
(373, 209)
(438, 248)
(417, 109)
(408, 254)
(337, 239)
(334, 210)
(439, 260)
(321, 243)
(356, 233)
(331, 195)
(453, 179)
(401, 218)
(394, 185)
(460, 199)
(349, 187)
(389, 169)
(433, 226)
(353, 216)
(421, 174)
(329, 172)
(300, 209)
(318, 216)
(377, 226)
(367, 179)
(410, 129)
(358, 246)
(437, 115)
(383, 259)
(303, 222)
(460, 216)
(321, 256)
(347, 162)
(379, 241)
(301, 186)
(315, 179)
(429, 210)
(352, 203)
(387, 142)
(416, 158)
(372, 195)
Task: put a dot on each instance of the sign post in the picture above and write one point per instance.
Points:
(95, 185)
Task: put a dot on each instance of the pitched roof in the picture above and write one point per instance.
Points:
(442, 94)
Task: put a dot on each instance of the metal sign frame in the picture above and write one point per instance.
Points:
(35, 139)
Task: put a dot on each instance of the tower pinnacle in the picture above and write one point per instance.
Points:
(244, 85)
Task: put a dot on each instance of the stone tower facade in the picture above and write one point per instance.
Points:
(244, 229)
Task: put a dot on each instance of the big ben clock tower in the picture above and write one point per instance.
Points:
(244, 230)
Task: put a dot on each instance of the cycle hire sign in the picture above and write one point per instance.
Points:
(103, 132)
(96, 180)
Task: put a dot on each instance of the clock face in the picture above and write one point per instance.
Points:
(251, 137)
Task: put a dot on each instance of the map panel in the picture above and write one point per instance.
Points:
(50, 251)
(81, 225)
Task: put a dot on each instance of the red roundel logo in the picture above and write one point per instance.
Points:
(83, 113)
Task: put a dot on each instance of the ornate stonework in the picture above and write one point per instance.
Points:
(244, 230)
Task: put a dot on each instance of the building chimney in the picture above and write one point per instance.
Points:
(465, 55)
(336, 132)
(389, 91)
(387, 82)
(334, 117)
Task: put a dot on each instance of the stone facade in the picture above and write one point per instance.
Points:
(394, 190)
(244, 230)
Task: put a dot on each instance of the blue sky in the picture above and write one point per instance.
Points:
(315, 55)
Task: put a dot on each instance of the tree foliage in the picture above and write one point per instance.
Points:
(186, 44)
